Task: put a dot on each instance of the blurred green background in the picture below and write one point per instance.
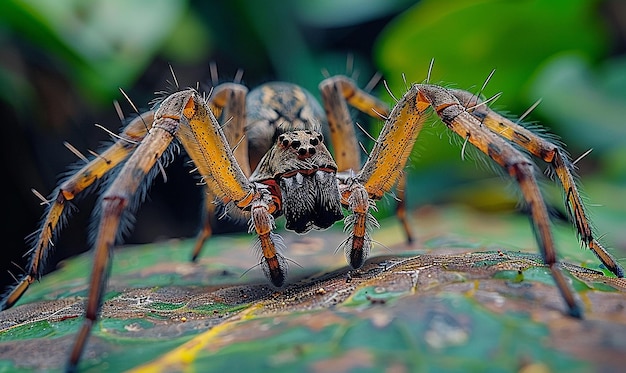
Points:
(62, 64)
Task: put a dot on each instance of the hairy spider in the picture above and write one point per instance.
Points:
(270, 160)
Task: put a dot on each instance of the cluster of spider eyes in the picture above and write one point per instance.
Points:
(297, 144)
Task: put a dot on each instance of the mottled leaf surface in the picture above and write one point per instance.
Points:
(446, 304)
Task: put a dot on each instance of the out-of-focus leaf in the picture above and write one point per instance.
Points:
(468, 39)
(456, 304)
(101, 57)
(189, 41)
(588, 105)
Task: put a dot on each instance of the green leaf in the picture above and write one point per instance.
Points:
(101, 58)
(467, 39)
(443, 307)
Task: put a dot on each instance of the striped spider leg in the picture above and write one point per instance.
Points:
(184, 116)
(226, 98)
(337, 93)
(269, 159)
(227, 101)
(490, 133)
(557, 158)
(57, 211)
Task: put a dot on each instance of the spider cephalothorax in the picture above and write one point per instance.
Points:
(268, 159)
(301, 174)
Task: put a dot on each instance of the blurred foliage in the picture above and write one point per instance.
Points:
(468, 39)
(588, 105)
(557, 51)
(100, 44)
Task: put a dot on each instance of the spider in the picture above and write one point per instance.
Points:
(268, 159)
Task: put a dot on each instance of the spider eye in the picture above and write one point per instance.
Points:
(295, 144)
(283, 141)
(314, 141)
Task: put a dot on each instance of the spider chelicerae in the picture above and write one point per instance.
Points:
(268, 159)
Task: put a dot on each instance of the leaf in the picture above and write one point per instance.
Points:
(468, 39)
(587, 104)
(447, 306)
(101, 58)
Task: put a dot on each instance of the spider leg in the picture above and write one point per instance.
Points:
(460, 121)
(186, 116)
(115, 202)
(206, 144)
(558, 159)
(227, 101)
(57, 211)
(380, 173)
(206, 230)
(391, 151)
(401, 207)
(337, 93)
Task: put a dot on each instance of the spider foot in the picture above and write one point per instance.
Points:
(360, 223)
(273, 263)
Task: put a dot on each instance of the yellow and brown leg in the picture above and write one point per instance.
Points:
(118, 200)
(186, 116)
(228, 102)
(381, 171)
(391, 151)
(337, 93)
(206, 144)
(57, 211)
(554, 155)
(268, 244)
(455, 116)
(359, 223)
